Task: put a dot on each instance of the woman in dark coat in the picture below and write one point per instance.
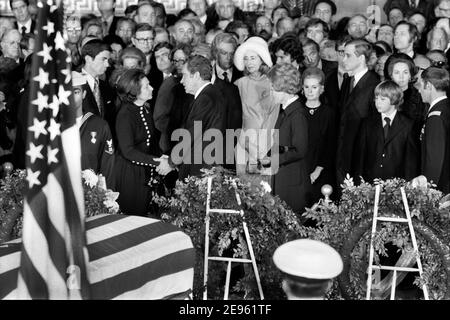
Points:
(402, 70)
(291, 181)
(321, 133)
(137, 145)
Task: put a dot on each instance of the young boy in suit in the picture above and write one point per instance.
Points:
(387, 148)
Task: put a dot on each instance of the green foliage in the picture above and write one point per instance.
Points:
(269, 221)
(98, 200)
(336, 222)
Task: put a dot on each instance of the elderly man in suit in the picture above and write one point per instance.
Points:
(224, 74)
(355, 104)
(205, 113)
(435, 137)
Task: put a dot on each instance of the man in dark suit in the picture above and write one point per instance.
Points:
(224, 75)
(205, 113)
(24, 23)
(222, 50)
(387, 148)
(333, 81)
(312, 58)
(108, 19)
(356, 103)
(97, 148)
(435, 136)
(99, 96)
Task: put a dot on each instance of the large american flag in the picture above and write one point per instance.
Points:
(54, 255)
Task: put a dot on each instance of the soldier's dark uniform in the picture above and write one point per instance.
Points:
(97, 149)
(435, 143)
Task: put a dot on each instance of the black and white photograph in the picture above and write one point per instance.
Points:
(242, 152)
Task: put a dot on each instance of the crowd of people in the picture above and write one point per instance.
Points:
(345, 96)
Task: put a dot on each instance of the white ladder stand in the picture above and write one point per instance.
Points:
(414, 243)
(207, 258)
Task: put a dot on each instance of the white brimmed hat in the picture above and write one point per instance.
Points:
(257, 44)
(78, 79)
(308, 260)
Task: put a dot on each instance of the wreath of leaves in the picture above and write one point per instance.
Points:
(268, 218)
(12, 189)
(335, 223)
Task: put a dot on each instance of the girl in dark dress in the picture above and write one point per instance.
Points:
(138, 151)
(321, 133)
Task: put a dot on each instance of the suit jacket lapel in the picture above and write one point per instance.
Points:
(396, 128)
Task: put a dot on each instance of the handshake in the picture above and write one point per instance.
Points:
(164, 166)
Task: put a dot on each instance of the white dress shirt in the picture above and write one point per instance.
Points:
(391, 116)
(357, 76)
(27, 25)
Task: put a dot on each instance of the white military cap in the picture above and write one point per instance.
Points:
(78, 79)
(308, 260)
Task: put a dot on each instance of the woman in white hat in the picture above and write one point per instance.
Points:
(259, 113)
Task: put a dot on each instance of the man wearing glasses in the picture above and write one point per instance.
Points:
(20, 9)
(143, 40)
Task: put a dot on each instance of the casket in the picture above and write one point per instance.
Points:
(130, 257)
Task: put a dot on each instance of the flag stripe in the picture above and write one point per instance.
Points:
(100, 220)
(150, 250)
(35, 285)
(127, 223)
(158, 289)
(133, 237)
(133, 279)
(43, 262)
(115, 270)
(54, 240)
(38, 225)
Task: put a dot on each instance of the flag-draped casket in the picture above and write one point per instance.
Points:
(130, 258)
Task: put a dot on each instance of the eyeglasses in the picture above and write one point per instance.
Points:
(181, 61)
(144, 40)
(73, 29)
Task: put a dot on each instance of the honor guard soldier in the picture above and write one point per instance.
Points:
(308, 268)
(97, 149)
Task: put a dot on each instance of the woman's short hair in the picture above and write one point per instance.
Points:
(389, 89)
(285, 78)
(314, 72)
(128, 84)
(394, 59)
(132, 52)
